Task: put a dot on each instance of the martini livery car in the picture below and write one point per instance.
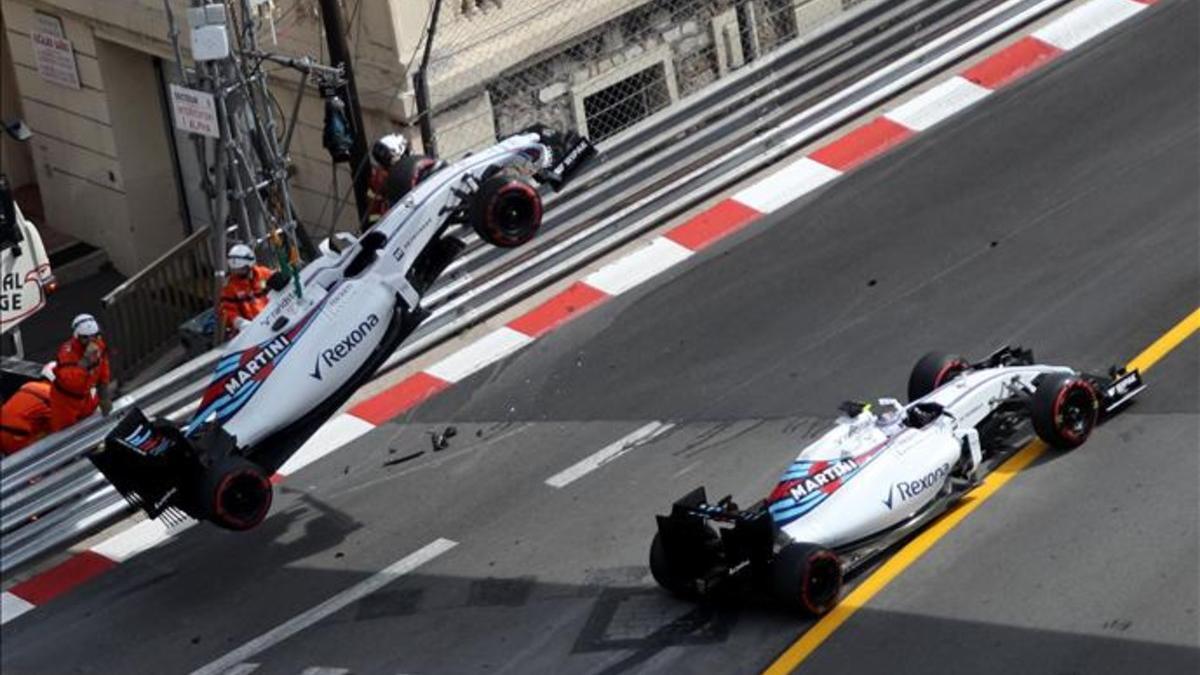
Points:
(323, 335)
(882, 472)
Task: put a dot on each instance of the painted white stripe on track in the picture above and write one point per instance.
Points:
(242, 669)
(332, 435)
(617, 277)
(1086, 22)
(788, 185)
(479, 354)
(335, 604)
(610, 452)
(940, 102)
(141, 537)
(12, 606)
(323, 670)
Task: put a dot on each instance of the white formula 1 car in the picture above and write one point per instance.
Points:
(880, 474)
(319, 340)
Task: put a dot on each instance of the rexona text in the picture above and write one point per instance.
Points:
(348, 344)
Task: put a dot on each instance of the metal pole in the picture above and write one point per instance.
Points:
(339, 54)
(421, 85)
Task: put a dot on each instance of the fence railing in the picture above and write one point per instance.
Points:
(142, 316)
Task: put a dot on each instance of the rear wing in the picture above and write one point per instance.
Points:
(153, 465)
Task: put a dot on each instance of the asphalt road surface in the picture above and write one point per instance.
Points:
(1062, 214)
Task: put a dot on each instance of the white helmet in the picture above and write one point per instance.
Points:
(389, 149)
(85, 325)
(240, 257)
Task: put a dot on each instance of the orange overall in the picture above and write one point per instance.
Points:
(25, 416)
(244, 297)
(73, 395)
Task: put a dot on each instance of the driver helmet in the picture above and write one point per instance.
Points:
(889, 413)
(389, 149)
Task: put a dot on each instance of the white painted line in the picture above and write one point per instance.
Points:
(335, 604)
(1086, 22)
(242, 669)
(332, 435)
(12, 606)
(794, 181)
(938, 103)
(608, 454)
(141, 537)
(483, 352)
(322, 670)
(621, 275)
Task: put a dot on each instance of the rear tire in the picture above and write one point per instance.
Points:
(405, 175)
(680, 576)
(235, 494)
(932, 371)
(807, 577)
(506, 211)
(1064, 410)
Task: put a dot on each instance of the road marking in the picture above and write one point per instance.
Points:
(333, 435)
(621, 275)
(322, 670)
(338, 602)
(242, 669)
(957, 93)
(1086, 22)
(479, 354)
(608, 454)
(141, 537)
(891, 568)
(784, 187)
(12, 606)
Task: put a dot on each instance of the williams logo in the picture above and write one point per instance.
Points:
(341, 350)
(910, 489)
(249, 369)
(822, 478)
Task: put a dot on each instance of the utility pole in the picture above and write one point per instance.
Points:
(339, 55)
(421, 85)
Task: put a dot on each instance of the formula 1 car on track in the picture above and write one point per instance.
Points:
(320, 339)
(880, 474)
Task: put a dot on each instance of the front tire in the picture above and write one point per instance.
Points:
(932, 371)
(506, 211)
(235, 494)
(807, 577)
(1064, 410)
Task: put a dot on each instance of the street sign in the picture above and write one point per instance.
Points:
(195, 111)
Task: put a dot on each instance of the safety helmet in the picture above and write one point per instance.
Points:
(85, 325)
(240, 257)
(389, 149)
(48, 371)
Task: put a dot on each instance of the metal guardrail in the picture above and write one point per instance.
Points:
(49, 493)
(143, 314)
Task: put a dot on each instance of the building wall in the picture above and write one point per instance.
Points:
(15, 159)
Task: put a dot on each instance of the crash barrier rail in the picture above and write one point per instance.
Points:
(574, 235)
(142, 316)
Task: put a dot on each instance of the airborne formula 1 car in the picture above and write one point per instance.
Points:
(880, 474)
(319, 339)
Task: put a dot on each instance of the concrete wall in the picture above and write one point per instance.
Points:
(16, 160)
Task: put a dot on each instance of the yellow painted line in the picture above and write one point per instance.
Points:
(790, 659)
(1169, 340)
